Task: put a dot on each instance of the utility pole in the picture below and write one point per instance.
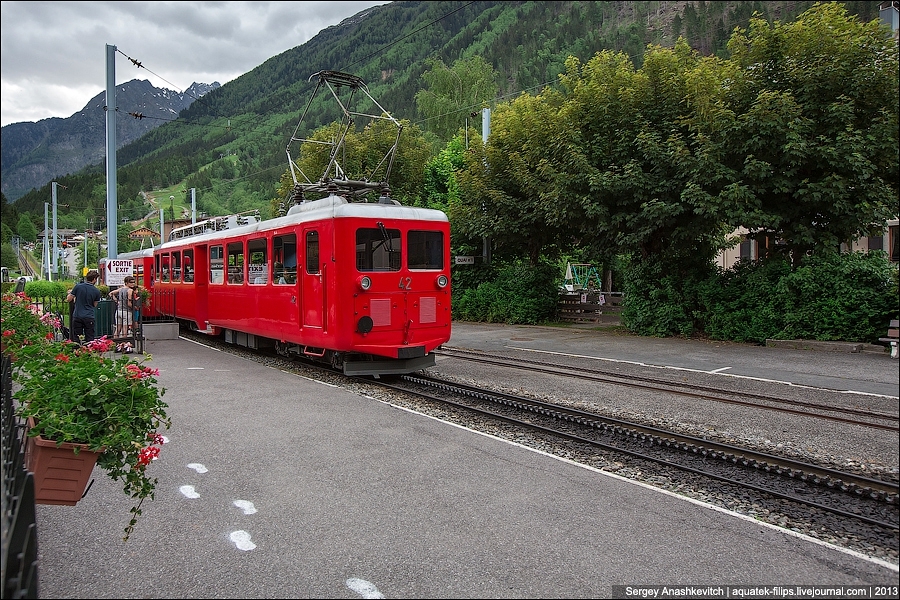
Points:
(485, 132)
(112, 233)
(90, 226)
(55, 260)
(45, 253)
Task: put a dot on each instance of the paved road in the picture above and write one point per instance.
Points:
(863, 372)
(275, 486)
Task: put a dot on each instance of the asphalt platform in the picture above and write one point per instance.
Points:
(276, 486)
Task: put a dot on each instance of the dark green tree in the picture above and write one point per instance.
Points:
(26, 229)
(511, 193)
(650, 181)
(9, 258)
(815, 143)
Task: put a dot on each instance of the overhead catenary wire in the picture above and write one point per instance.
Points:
(250, 120)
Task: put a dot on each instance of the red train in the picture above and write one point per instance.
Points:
(364, 287)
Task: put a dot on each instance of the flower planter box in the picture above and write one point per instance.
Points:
(60, 475)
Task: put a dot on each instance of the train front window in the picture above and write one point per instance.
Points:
(425, 250)
(378, 249)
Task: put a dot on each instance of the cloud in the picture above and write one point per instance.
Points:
(54, 53)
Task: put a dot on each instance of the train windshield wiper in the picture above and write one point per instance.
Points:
(387, 238)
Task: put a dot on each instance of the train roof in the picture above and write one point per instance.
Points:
(134, 254)
(331, 207)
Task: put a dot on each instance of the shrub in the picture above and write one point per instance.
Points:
(519, 294)
(849, 297)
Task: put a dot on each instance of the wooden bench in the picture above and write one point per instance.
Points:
(893, 337)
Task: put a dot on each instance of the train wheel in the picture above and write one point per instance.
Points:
(282, 349)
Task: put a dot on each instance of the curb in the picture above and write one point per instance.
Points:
(849, 347)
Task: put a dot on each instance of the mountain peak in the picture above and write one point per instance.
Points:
(33, 153)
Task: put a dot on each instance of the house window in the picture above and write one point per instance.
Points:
(894, 243)
(875, 242)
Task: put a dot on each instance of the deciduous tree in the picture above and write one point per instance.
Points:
(451, 93)
(816, 137)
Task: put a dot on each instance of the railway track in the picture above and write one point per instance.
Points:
(849, 483)
(840, 414)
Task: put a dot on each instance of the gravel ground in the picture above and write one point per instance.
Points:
(823, 442)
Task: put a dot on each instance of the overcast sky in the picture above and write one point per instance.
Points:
(54, 53)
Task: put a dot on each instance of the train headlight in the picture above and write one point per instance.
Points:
(442, 281)
(364, 283)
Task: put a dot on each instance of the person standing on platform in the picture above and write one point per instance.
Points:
(124, 297)
(85, 295)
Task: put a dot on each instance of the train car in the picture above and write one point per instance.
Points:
(364, 287)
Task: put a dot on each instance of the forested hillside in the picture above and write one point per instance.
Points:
(230, 146)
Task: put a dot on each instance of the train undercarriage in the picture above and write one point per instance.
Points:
(349, 363)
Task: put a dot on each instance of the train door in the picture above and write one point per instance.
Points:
(195, 272)
(312, 305)
(285, 296)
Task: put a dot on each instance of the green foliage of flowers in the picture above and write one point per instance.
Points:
(82, 394)
(22, 321)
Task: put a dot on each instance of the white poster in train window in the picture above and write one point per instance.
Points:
(257, 273)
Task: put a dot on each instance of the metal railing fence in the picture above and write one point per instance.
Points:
(18, 523)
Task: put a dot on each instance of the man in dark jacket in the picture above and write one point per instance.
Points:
(86, 296)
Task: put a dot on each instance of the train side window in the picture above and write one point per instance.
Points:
(139, 273)
(216, 264)
(312, 252)
(378, 249)
(284, 257)
(236, 262)
(258, 267)
(425, 250)
(164, 267)
(176, 266)
(188, 266)
(894, 243)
